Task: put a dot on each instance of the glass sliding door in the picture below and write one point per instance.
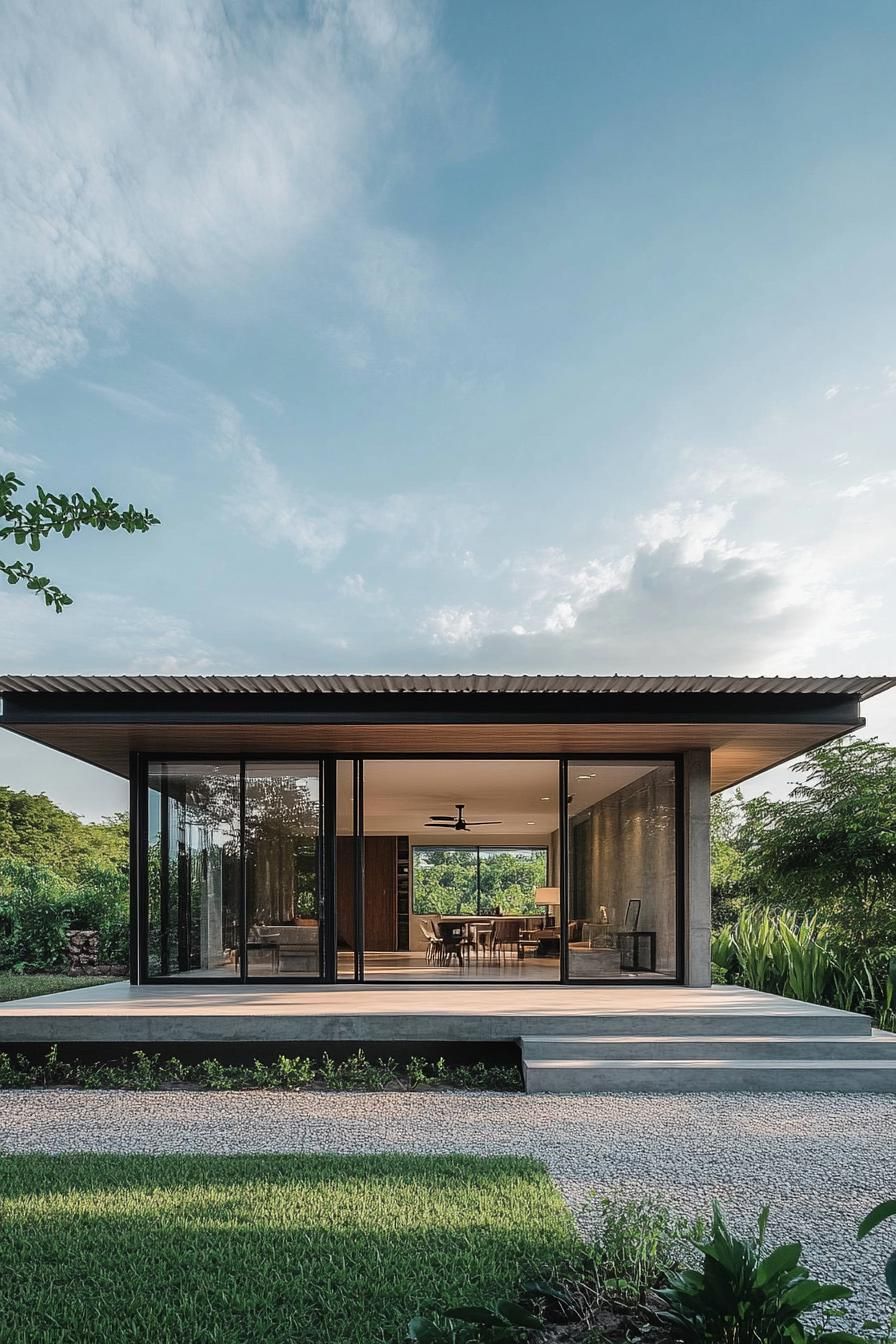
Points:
(233, 869)
(282, 863)
(193, 868)
(623, 870)
(461, 862)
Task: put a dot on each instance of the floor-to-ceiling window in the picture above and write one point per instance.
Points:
(282, 861)
(444, 869)
(461, 869)
(478, 880)
(233, 869)
(623, 870)
(193, 868)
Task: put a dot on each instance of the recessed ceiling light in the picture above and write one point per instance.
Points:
(545, 797)
(586, 776)
(530, 823)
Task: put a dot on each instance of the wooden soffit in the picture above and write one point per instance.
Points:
(738, 750)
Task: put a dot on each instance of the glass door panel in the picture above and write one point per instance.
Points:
(622, 870)
(193, 868)
(282, 870)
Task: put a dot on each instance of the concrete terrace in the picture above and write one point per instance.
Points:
(590, 1039)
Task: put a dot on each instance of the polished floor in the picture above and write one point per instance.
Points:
(413, 966)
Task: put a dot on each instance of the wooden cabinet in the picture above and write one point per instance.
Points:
(380, 892)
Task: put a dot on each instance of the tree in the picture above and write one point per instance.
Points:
(727, 868)
(831, 846)
(34, 830)
(29, 524)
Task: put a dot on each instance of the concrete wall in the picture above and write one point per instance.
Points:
(625, 850)
(697, 891)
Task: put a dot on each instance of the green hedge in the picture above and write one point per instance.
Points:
(37, 907)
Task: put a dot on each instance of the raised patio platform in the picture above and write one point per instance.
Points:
(642, 1038)
(293, 1014)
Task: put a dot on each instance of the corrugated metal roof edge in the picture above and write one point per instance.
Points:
(340, 684)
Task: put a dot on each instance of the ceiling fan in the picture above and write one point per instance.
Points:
(458, 823)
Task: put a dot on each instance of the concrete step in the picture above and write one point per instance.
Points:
(876, 1045)
(800, 1020)
(709, 1075)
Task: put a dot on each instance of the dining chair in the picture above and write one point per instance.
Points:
(454, 940)
(507, 934)
(433, 945)
(481, 937)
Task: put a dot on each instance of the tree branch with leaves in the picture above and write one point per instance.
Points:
(30, 523)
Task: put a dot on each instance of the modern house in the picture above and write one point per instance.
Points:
(418, 832)
(330, 828)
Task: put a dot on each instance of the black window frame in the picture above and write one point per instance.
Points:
(326, 761)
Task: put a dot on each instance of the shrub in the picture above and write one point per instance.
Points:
(640, 1242)
(742, 1295)
(37, 907)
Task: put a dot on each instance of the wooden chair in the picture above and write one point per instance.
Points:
(454, 940)
(434, 945)
(506, 934)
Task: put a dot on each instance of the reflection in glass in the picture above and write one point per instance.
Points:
(282, 863)
(622, 864)
(193, 868)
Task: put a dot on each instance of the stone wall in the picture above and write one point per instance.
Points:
(82, 954)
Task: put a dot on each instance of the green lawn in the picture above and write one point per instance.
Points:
(262, 1250)
(26, 986)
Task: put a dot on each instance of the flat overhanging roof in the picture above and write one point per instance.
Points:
(748, 723)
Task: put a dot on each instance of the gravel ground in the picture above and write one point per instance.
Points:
(820, 1161)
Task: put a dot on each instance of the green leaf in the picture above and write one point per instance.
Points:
(783, 1258)
(517, 1315)
(478, 1315)
(424, 1331)
(890, 1274)
(878, 1215)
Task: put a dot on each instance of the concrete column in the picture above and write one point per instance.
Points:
(697, 893)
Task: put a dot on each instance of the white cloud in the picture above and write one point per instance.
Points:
(18, 461)
(690, 594)
(454, 625)
(415, 529)
(694, 528)
(356, 586)
(100, 632)
(265, 504)
(157, 141)
(131, 403)
(867, 484)
(832, 392)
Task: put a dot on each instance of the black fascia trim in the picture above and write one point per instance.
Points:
(402, 709)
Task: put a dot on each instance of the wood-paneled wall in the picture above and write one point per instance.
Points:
(380, 892)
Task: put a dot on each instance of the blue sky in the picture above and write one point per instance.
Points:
(467, 337)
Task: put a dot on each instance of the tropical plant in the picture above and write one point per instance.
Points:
(743, 1295)
(804, 958)
(506, 1323)
(30, 524)
(879, 1214)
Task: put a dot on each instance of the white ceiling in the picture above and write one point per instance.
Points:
(400, 796)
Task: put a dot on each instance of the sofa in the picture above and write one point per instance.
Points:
(299, 946)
